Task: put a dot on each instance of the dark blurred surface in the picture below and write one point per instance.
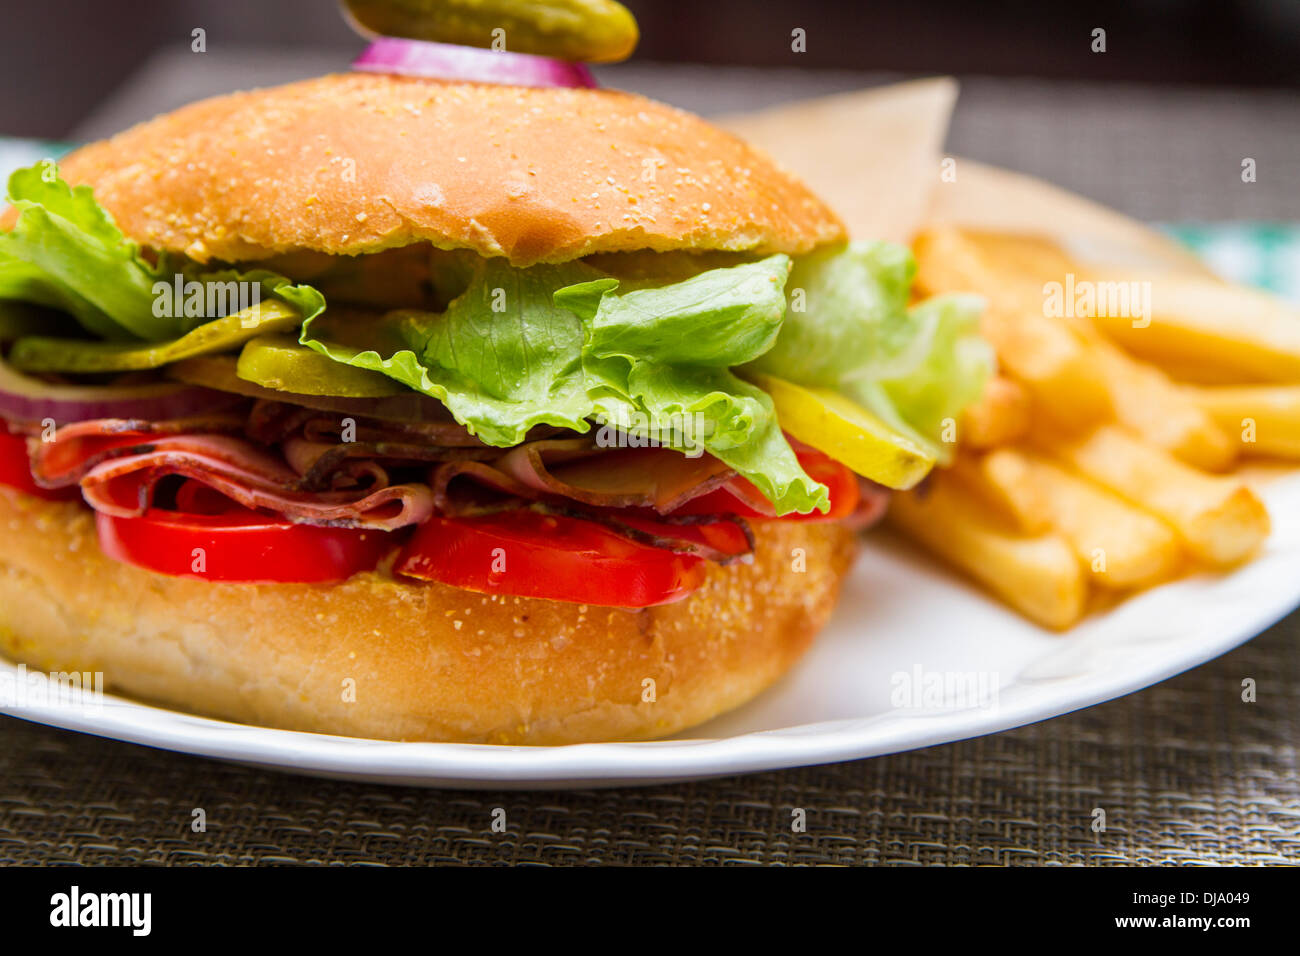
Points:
(59, 59)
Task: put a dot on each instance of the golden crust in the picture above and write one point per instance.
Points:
(356, 163)
(429, 662)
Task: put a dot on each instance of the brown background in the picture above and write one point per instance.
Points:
(59, 58)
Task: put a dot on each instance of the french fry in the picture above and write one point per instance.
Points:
(1000, 417)
(1220, 520)
(1191, 373)
(1035, 259)
(1014, 497)
(1008, 270)
(1092, 372)
(1038, 576)
(1202, 323)
(1140, 396)
(1118, 545)
(1265, 418)
(948, 262)
(1046, 356)
(1153, 407)
(1052, 364)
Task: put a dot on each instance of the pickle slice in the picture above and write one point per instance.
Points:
(217, 372)
(279, 362)
(591, 31)
(44, 354)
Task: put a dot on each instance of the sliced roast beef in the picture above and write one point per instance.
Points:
(76, 448)
(579, 470)
(124, 486)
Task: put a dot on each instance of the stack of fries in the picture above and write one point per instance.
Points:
(1104, 456)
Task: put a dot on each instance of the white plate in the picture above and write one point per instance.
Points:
(901, 625)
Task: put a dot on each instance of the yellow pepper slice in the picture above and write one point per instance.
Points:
(846, 431)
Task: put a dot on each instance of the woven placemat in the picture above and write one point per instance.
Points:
(1186, 772)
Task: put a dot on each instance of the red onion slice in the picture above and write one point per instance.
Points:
(25, 399)
(447, 61)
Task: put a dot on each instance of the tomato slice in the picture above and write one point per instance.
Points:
(724, 539)
(739, 496)
(196, 498)
(525, 554)
(16, 472)
(239, 545)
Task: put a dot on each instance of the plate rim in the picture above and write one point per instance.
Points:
(629, 763)
(457, 765)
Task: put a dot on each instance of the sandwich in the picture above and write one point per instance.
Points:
(414, 409)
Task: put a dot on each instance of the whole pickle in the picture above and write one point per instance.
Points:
(592, 31)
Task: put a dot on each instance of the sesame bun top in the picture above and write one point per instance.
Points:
(357, 163)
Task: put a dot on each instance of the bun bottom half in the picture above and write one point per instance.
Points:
(380, 658)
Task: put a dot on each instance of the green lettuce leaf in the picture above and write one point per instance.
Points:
(660, 358)
(847, 315)
(848, 327)
(721, 317)
(953, 370)
(503, 357)
(66, 252)
(27, 284)
(556, 345)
